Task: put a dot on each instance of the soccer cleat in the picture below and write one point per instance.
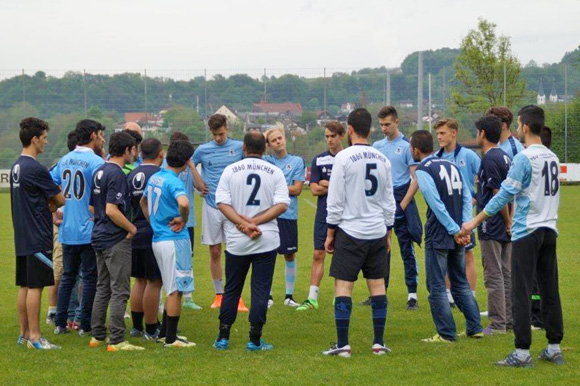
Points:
(488, 331)
(367, 302)
(22, 341)
(436, 339)
(179, 343)
(190, 305)
(477, 335)
(61, 330)
(135, 333)
(124, 346)
(555, 358)
(162, 340)
(270, 301)
(84, 332)
(308, 304)
(217, 301)
(380, 349)
(94, 342)
(513, 360)
(290, 302)
(412, 304)
(343, 351)
(42, 344)
(484, 314)
(242, 306)
(151, 337)
(50, 317)
(262, 347)
(222, 344)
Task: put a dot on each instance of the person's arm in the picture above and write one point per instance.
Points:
(389, 207)
(467, 208)
(431, 195)
(116, 194)
(298, 177)
(335, 203)
(178, 223)
(296, 188)
(197, 180)
(505, 214)
(114, 213)
(144, 207)
(56, 202)
(317, 189)
(413, 187)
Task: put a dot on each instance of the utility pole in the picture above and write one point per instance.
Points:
(430, 103)
(420, 92)
(324, 93)
(388, 102)
(146, 101)
(566, 113)
(85, 91)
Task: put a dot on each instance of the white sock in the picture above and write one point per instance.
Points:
(554, 348)
(290, 276)
(522, 354)
(188, 296)
(449, 296)
(217, 285)
(473, 293)
(313, 292)
(412, 295)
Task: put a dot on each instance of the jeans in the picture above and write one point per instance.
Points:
(439, 262)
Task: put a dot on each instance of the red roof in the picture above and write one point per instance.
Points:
(280, 108)
(138, 117)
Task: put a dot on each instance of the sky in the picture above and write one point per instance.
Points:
(233, 35)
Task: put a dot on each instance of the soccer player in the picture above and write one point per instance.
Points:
(294, 171)
(449, 205)
(135, 131)
(214, 157)
(507, 142)
(144, 268)
(166, 207)
(469, 164)
(74, 174)
(111, 239)
(33, 196)
(494, 233)
(408, 227)
(361, 212)
(319, 177)
(534, 181)
(251, 194)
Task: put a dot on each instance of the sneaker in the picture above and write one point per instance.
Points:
(488, 331)
(217, 301)
(162, 340)
(436, 339)
(290, 302)
(124, 346)
(50, 317)
(42, 344)
(555, 358)
(380, 349)
(536, 328)
(151, 337)
(412, 304)
(127, 315)
(343, 351)
(484, 314)
(190, 305)
(270, 301)
(477, 335)
(262, 347)
(84, 332)
(22, 341)
(73, 326)
(180, 343)
(94, 342)
(513, 360)
(308, 304)
(222, 344)
(242, 306)
(367, 302)
(61, 330)
(135, 333)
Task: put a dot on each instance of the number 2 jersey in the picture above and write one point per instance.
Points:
(252, 186)
(534, 178)
(74, 174)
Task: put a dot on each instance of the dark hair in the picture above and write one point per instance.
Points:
(449, 122)
(255, 142)
(423, 141)
(546, 136)
(136, 136)
(533, 117)
(360, 119)
(119, 142)
(85, 128)
(335, 127)
(503, 113)
(491, 125)
(388, 111)
(31, 127)
(216, 121)
(72, 140)
(150, 148)
(178, 153)
(178, 136)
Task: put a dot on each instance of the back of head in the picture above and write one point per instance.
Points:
(503, 113)
(491, 126)
(119, 142)
(150, 148)
(216, 121)
(546, 136)
(388, 111)
(533, 117)
(71, 140)
(136, 136)
(178, 136)
(422, 140)
(133, 126)
(31, 127)
(255, 142)
(85, 128)
(360, 120)
(178, 153)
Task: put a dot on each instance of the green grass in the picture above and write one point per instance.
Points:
(298, 337)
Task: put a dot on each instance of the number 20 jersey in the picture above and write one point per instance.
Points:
(74, 174)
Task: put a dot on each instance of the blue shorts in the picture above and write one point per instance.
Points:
(288, 236)
(320, 231)
(471, 245)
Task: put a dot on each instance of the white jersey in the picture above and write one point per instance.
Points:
(252, 186)
(360, 193)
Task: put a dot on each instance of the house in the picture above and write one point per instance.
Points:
(553, 94)
(406, 103)
(541, 97)
(287, 109)
(322, 117)
(347, 107)
(231, 115)
(147, 121)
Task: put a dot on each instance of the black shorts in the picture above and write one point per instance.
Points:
(320, 231)
(351, 255)
(144, 265)
(471, 244)
(34, 271)
(191, 232)
(288, 236)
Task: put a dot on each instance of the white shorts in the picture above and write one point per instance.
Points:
(174, 258)
(212, 225)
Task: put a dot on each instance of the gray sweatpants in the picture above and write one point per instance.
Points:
(497, 258)
(113, 286)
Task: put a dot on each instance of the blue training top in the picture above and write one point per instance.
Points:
(293, 168)
(398, 152)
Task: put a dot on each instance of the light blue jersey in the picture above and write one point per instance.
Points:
(468, 163)
(294, 170)
(162, 191)
(74, 174)
(214, 159)
(511, 146)
(186, 177)
(398, 152)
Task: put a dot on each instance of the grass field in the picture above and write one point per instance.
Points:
(298, 337)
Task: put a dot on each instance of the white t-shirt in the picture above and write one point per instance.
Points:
(252, 186)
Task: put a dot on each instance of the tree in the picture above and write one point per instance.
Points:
(479, 71)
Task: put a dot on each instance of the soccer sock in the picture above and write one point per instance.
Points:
(554, 348)
(522, 354)
(151, 328)
(313, 292)
(342, 309)
(412, 295)
(449, 296)
(290, 275)
(172, 322)
(163, 329)
(217, 285)
(256, 333)
(224, 331)
(379, 306)
(137, 318)
(188, 296)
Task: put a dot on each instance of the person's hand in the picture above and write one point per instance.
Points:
(508, 228)
(323, 183)
(132, 232)
(189, 163)
(467, 228)
(251, 230)
(52, 207)
(204, 190)
(473, 202)
(177, 224)
(329, 244)
(404, 206)
(389, 241)
(462, 240)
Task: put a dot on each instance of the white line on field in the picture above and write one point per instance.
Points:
(309, 202)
